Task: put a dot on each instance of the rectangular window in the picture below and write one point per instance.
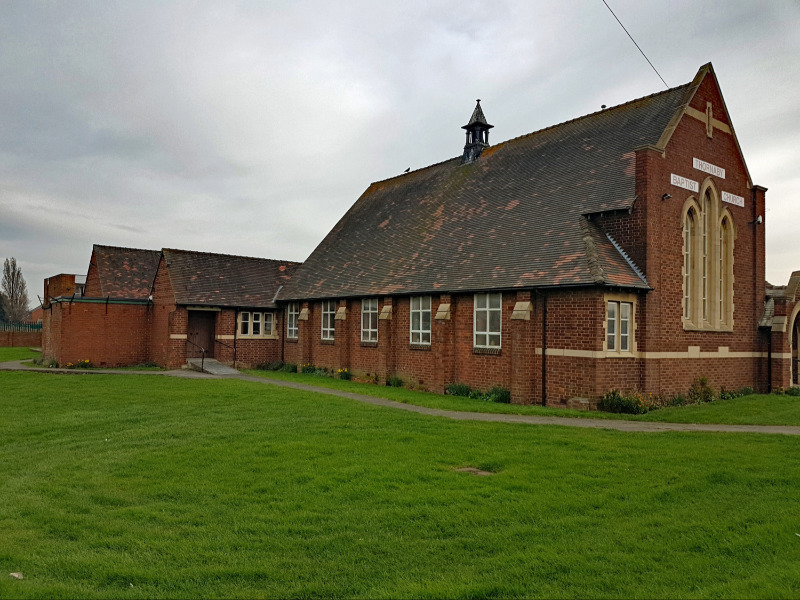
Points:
(369, 320)
(244, 319)
(269, 323)
(420, 320)
(328, 322)
(619, 324)
(487, 320)
(611, 326)
(292, 316)
(256, 323)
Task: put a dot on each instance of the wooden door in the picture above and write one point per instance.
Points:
(201, 333)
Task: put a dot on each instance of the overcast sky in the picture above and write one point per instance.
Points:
(251, 127)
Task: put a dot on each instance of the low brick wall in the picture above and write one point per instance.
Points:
(23, 339)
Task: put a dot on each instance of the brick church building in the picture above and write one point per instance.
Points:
(623, 249)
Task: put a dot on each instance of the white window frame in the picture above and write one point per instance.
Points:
(619, 328)
(419, 335)
(369, 320)
(491, 336)
(292, 320)
(248, 320)
(328, 320)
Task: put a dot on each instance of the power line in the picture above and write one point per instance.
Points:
(635, 44)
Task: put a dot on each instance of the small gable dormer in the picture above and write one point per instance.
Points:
(477, 135)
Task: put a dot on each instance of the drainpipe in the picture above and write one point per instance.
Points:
(544, 349)
(235, 333)
(769, 361)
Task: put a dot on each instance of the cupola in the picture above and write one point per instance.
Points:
(477, 135)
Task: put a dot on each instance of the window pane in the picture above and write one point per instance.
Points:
(624, 327)
(267, 323)
(415, 337)
(494, 340)
(480, 339)
(256, 323)
(426, 320)
(480, 321)
(426, 303)
(611, 326)
(494, 321)
(495, 300)
(480, 300)
(415, 302)
(426, 338)
(415, 320)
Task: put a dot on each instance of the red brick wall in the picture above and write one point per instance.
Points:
(27, 339)
(107, 334)
(168, 324)
(92, 289)
(250, 352)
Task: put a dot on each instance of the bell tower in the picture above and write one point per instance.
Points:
(477, 135)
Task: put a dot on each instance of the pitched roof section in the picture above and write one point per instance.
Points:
(512, 219)
(202, 278)
(125, 272)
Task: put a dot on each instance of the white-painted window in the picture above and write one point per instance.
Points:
(619, 326)
(487, 320)
(256, 324)
(369, 320)
(328, 319)
(420, 323)
(292, 317)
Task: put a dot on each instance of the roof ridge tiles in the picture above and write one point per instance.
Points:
(277, 260)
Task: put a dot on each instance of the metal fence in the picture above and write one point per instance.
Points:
(20, 327)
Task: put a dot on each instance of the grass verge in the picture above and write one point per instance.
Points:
(138, 487)
(12, 353)
(758, 409)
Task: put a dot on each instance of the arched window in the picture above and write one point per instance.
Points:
(689, 234)
(708, 234)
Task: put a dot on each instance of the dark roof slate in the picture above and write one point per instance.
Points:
(203, 278)
(512, 219)
(125, 272)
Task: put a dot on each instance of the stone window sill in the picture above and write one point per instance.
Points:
(423, 347)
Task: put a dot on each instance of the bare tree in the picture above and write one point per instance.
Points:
(14, 292)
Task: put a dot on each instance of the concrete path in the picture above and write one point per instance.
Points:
(633, 426)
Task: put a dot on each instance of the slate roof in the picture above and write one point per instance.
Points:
(203, 278)
(477, 117)
(515, 218)
(125, 272)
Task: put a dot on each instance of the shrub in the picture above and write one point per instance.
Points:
(394, 381)
(275, 365)
(344, 374)
(498, 394)
(613, 401)
(323, 372)
(780, 390)
(307, 368)
(476, 394)
(745, 391)
(793, 391)
(678, 400)
(290, 368)
(701, 391)
(457, 389)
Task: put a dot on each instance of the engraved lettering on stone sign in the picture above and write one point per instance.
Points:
(708, 167)
(732, 199)
(685, 183)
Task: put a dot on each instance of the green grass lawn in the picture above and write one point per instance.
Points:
(137, 487)
(757, 409)
(8, 353)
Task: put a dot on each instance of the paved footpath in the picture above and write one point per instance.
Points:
(457, 415)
